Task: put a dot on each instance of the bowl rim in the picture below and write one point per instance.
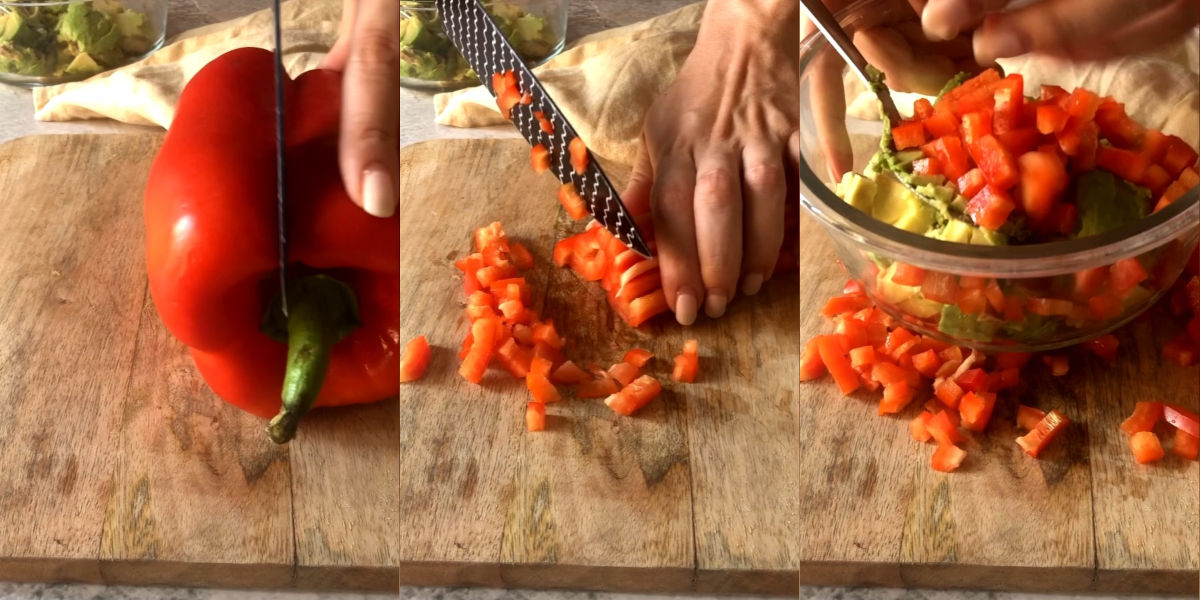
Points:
(1026, 260)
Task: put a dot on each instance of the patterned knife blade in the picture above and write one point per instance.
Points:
(280, 165)
(485, 48)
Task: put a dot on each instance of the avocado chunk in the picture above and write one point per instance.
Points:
(955, 322)
(1107, 202)
(897, 206)
(83, 65)
(857, 191)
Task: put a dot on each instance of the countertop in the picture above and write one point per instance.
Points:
(586, 16)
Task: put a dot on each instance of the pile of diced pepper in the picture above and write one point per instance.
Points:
(1013, 156)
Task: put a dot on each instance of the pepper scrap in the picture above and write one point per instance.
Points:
(212, 253)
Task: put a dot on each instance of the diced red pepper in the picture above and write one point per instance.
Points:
(415, 359)
(1009, 106)
(976, 410)
(947, 457)
(1186, 445)
(971, 182)
(570, 373)
(1020, 141)
(1117, 127)
(990, 208)
(1050, 119)
(976, 125)
(637, 357)
(922, 109)
(906, 274)
(837, 364)
(572, 201)
(908, 135)
(539, 158)
(940, 287)
(996, 162)
(1082, 104)
(973, 380)
(634, 396)
(845, 304)
(927, 166)
(1146, 447)
(1104, 307)
(687, 363)
(918, 427)
(1145, 416)
(1125, 274)
(1153, 147)
(540, 387)
(1050, 427)
(1028, 417)
(949, 393)
(942, 123)
(579, 156)
(1126, 164)
(1181, 418)
(949, 151)
(927, 363)
(1181, 351)
(1104, 346)
(1059, 364)
(535, 416)
(1178, 156)
(896, 397)
(944, 429)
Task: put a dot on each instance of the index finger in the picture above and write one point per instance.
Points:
(369, 150)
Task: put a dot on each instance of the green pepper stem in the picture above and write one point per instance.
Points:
(322, 311)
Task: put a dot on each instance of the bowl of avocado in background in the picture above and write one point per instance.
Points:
(537, 30)
(45, 42)
(1026, 296)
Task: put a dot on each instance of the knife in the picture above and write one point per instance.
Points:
(483, 45)
(280, 163)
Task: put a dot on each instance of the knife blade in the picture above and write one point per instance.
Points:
(280, 161)
(479, 39)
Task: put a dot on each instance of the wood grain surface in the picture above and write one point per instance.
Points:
(117, 464)
(1084, 517)
(696, 492)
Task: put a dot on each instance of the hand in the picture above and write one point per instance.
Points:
(1076, 29)
(898, 47)
(711, 164)
(368, 51)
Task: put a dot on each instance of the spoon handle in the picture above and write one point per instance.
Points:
(837, 37)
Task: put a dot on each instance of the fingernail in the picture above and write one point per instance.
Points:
(714, 305)
(685, 308)
(751, 284)
(379, 199)
(997, 42)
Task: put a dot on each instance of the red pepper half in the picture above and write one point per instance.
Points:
(212, 254)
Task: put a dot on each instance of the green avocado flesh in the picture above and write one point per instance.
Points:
(77, 39)
(427, 54)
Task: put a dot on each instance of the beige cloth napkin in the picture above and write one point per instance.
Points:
(604, 83)
(145, 92)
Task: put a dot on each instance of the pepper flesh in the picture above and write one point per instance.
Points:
(211, 235)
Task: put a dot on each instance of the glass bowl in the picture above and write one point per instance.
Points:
(537, 29)
(1018, 298)
(46, 42)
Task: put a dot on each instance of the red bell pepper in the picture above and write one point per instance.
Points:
(212, 251)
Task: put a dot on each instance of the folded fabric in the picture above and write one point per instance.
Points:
(145, 92)
(604, 82)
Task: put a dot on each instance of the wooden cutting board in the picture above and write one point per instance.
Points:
(696, 492)
(117, 464)
(1084, 517)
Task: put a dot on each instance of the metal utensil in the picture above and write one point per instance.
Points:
(841, 42)
(483, 45)
(280, 163)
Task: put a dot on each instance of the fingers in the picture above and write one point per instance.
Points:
(718, 210)
(1084, 29)
(671, 201)
(946, 19)
(829, 114)
(891, 53)
(336, 59)
(637, 192)
(369, 146)
(764, 188)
